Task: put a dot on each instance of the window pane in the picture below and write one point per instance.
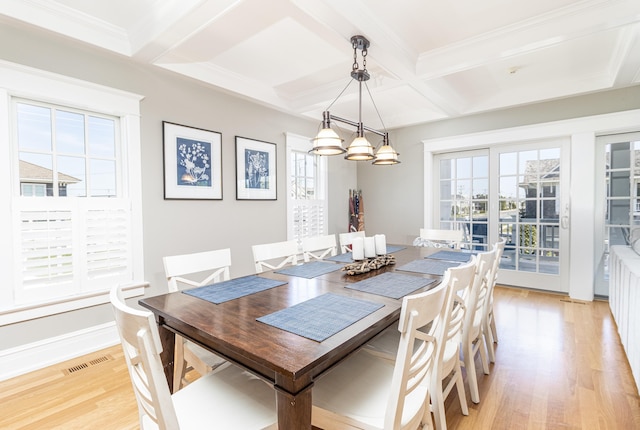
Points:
(34, 127)
(481, 167)
(69, 132)
(446, 169)
(71, 176)
(463, 167)
(36, 169)
(508, 164)
(102, 137)
(103, 178)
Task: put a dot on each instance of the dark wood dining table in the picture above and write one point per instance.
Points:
(288, 361)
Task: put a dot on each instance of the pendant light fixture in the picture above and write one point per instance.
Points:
(328, 142)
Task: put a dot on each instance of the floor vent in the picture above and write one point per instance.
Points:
(86, 365)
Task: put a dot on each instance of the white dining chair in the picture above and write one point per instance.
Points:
(472, 334)
(272, 256)
(346, 239)
(181, 271)
(228, 399)
(448, 365)
(369, 392)
(440, 238)
(319, 247)
(488, 318)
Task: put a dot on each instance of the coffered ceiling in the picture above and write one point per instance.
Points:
(428, 60)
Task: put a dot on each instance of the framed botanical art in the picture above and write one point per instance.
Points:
(255, 169)
(192, 162)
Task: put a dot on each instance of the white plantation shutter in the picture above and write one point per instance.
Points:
(47, 253)
(76, 246)
(308, 218)
(306, 190)
(108, 251)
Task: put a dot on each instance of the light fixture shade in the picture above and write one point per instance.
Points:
(360, 150)
(386, 155)
(327, 142)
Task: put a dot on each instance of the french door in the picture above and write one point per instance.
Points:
(518, 192)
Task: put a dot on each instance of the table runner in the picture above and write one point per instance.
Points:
(390, 284)
(310, 270)
(452, 256)
(232, 289)
(321, 317)
(429, 267)
(394, 248)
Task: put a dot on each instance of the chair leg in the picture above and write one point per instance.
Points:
(483, 354)
(488, 337)
(179, 364)
(494, 332)
(469, 364)
(437, 405)
(462, 396)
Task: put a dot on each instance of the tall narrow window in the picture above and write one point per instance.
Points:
(306, 190)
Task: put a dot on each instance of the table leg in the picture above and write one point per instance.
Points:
(168, 340)
(294, 411)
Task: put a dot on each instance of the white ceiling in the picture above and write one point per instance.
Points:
(428, 60)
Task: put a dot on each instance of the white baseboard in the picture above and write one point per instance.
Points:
(27, 358)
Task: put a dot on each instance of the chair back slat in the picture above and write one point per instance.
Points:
(319, 247)
(285, 252)
(215, 264)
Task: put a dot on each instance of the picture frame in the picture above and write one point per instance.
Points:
(192, 162)
(256, 170)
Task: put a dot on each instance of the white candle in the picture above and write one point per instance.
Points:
(357, 248)
(381, 244)
(369, 247)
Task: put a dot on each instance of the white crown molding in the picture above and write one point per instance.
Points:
(68, 21)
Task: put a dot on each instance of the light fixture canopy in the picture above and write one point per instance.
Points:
(328, 142)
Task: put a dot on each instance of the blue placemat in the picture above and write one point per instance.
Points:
(321, 317)
(347, 257)
(232, 289)
(452, 256)
(394, 248)
(427, 266)
(390, 284)
(310, 270)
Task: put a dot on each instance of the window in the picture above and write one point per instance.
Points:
(306, 190)
(74, 193)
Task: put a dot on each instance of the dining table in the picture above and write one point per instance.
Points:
(250, 328)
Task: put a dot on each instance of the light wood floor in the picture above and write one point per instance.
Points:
(559, 365)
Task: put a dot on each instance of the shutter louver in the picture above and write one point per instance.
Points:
(47, 248)
(107, 241)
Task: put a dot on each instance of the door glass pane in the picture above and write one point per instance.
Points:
(528, 195)
(464, 188)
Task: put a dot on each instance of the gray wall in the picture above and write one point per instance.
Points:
(176, 226)
(394, 195)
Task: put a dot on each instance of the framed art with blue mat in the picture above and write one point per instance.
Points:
(192, 162)
(255, 170)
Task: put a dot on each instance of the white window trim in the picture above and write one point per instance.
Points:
(29, 83)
